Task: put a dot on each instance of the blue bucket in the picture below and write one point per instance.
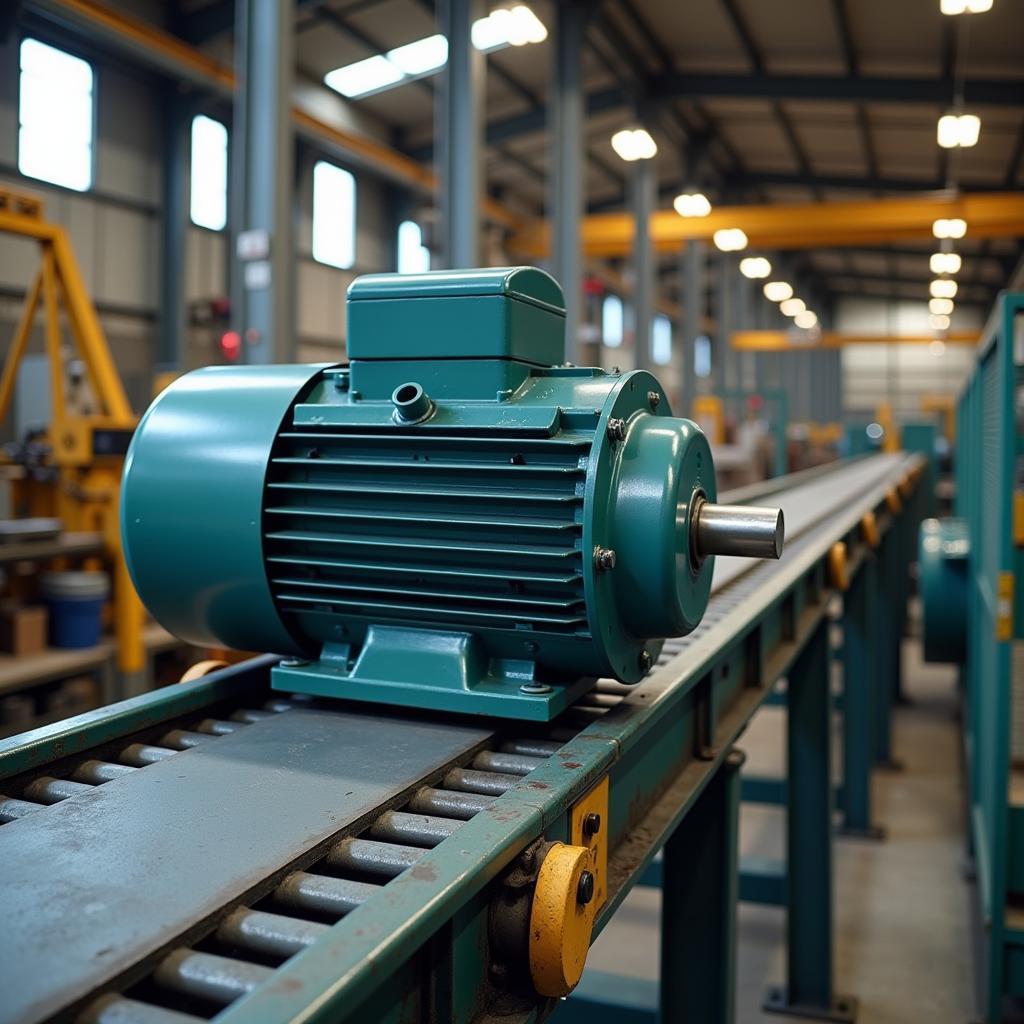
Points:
(76, 602)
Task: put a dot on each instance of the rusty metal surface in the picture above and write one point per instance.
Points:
(106, 878)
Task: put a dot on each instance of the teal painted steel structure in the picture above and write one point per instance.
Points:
(422, 947)
(944, 560)
(979, 561)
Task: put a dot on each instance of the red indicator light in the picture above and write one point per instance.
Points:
(231, 345)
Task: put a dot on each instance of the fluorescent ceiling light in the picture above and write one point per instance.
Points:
(806, 319)
(954, 227)
(790, 307)
(940, 307)
(514, 26)
(939, 321)
(954, 7)
(942, 288)
(958, 130)
(508, 26)
(364, 76)
(692, 204)
(634, 144)
(944, 263)
(730, 239)
(778, 291)
(420, 57)
(755, 267)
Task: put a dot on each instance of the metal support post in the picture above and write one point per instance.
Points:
(694, 260)
(566, 134)
(644, 197)
(262, 157)
(859, 660)
(725, 376)
(809, 992)
(459, 131)
(906, 536)
(698, 905)
(743, 319)
(173, 227)
(888, 653)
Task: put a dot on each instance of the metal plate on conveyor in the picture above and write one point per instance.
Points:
(99, 881)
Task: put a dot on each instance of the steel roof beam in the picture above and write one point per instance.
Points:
(800, 225)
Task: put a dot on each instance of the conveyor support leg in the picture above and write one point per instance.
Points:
(698, 905)
(698, 874)
(809, 891)
(888, 648)
(859, 660)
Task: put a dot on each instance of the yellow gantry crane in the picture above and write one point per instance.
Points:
(85, 447)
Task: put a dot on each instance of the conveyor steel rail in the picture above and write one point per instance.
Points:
(391, 916)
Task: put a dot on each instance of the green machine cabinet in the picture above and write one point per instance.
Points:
(972, 575)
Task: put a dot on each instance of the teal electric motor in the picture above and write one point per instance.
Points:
(453, 520)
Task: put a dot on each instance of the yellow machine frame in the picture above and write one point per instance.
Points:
(87, 493)
(708, 412)
(945, 406)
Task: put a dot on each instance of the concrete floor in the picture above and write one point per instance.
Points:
(904, 941)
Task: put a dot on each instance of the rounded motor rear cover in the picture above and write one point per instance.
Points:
(191, 500)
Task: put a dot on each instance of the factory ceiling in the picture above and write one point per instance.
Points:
(787, 102)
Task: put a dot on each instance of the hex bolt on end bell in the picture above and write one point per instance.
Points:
(616, 429)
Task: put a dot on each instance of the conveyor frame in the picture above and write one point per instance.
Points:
(423, 950)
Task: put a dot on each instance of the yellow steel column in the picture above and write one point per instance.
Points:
(129, 615)
(19, 345)
(53, 351)
(85, 324)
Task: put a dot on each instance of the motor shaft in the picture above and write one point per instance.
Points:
(744, 530)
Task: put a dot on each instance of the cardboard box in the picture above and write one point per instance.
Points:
(23, 629)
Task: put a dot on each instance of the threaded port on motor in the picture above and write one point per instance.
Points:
(411, 403)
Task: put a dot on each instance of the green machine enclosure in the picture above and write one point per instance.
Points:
(943, 550)
(452, 520)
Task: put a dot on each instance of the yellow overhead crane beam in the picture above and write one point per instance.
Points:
(796, 225)
(791, 341)
(173, 53)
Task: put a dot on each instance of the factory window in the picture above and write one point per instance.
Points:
(702, 356)
(208, 190)
(334, 216)
(661, 341)
(611, 321)
(413, 255)
(55, 116)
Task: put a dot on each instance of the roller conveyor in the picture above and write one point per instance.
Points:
(169, 871)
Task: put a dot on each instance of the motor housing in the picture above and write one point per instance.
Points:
(451, 520)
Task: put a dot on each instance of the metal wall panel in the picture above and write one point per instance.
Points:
(127, 144)
(124, 262)
(205, 264)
